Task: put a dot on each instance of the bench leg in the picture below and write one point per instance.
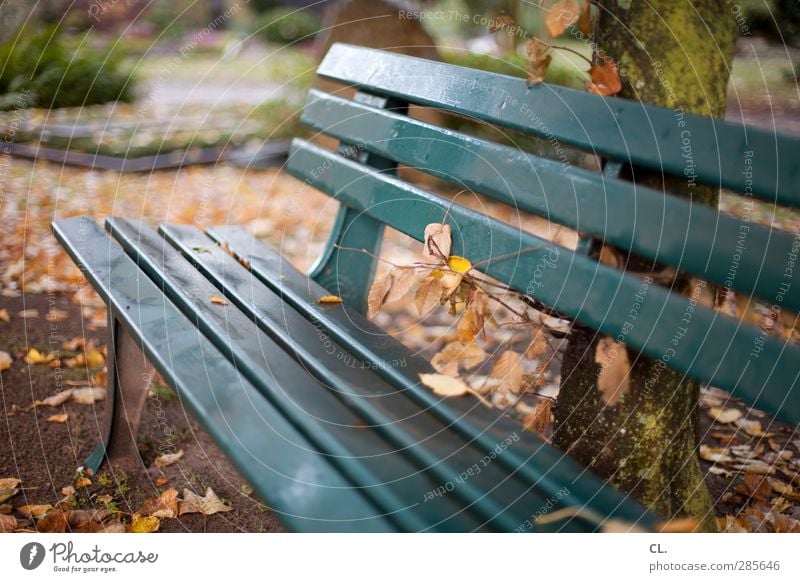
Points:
(129, 377)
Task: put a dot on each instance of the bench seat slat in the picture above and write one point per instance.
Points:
(626, 131)
(709, 346)
(542, 464)
(301, 486)
(633, 218)
(379, 470)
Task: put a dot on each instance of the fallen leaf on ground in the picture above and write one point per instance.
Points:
(679, 525)
(34, 511)
(161, 481)
(724, 415)
(88, 395)
(8, 523)
(8, 488)
(55, 521)
(614, 379)
(168, 459)
(165, 506)
(144, 524)
(715, 455)
(444, 385)
(34, 356)
(55, 315)
(209, 504)
(4, 316)
(29, 313)
(5, 360)
(58, 418)
(751, 427)
(219, 300)
(82, 482)
(561, 15)
(330, 299)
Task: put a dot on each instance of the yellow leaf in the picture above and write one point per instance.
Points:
(459, 264)
(330, 299)
(144, 524)
(34, 356)
(34, 511)
(724, 415)
(444, 385)
(219, 300)
(428, 295)
(508, 370)
(58, 418)
(8, 488)
(5, 360)
(82, 482)
(561, 15)
(438, 241)
(614, 379)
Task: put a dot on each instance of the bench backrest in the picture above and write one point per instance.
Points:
(376, 135)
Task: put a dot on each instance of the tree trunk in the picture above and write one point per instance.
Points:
(674, 54)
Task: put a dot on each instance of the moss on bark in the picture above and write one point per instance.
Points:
(674, 54)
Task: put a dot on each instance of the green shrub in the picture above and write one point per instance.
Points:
(40, 70)
(283, 25)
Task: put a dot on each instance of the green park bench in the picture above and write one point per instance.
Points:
(330, 445)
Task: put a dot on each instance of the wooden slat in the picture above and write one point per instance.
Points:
(705, 344)
(375, 466)
(626, 131)
(546, 467)
(306, 492)
(699, 240)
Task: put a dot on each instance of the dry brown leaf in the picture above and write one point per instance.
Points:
(539, 59)
(165, 506)
(8, 488)
(100, 379)
(508, 370)
(540, 418)
(614, 379)
(29, 314)
(455, 353)
(679, 525)
(403, 279)
(450, 281)
(611, 257)
(8, 523)
(538, 345)
(724, 415)
(161, 481)
(144, 524)
(701, 292)
(5, 360)
(377, 295)
(88, 395)
(34, 511)
(604, 78)
(6, 508)
(58, 418)
(585, 19)
(209, 504)
(218, 300)
(467, 327)
(114, 527)
(168, 459)
(4, 316)
(55, 315)
(751, 427)
(438, 241)
(330, 299)
(714, 455)
(444, 385)
(55, 521)
(561, 15)
(428, 296)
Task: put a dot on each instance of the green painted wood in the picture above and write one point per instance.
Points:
(351, 278)
(306, 492)
(705, 344)
(626, 131)
(376, 467)
(549, 470)
(717, 247)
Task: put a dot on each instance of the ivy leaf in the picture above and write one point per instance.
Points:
(438, 241)
(604, 78)
(539, 59)
(614, 379)
(561, 15)
(446, 386)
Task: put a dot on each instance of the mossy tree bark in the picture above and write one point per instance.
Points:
(674, 54)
